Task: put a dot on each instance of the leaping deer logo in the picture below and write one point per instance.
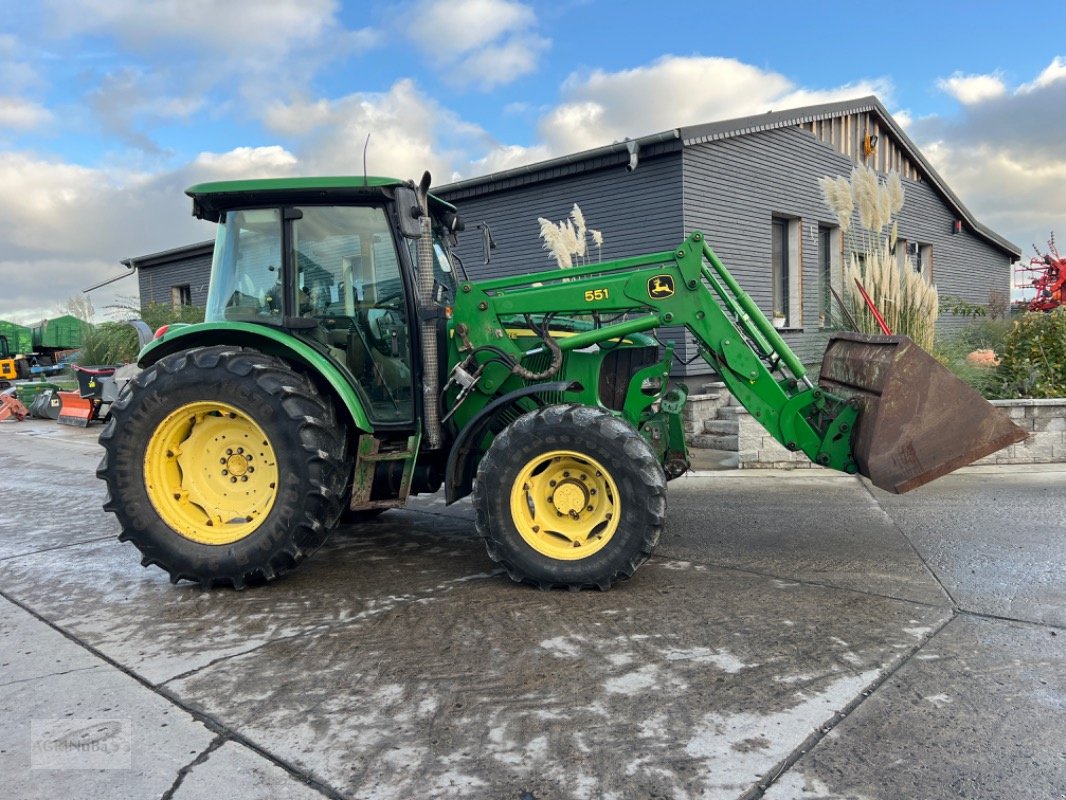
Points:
(661, 286)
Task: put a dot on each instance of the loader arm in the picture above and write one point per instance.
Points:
(688, 287)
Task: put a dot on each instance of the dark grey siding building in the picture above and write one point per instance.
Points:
(751, 185)
(743, 182)
(176, 277)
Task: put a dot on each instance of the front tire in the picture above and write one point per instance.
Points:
(223, 465)
(570, 496)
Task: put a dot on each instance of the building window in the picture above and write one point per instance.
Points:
(830, 275)
(785, 275)
(904, 258)
(180, 296)
(924, 263)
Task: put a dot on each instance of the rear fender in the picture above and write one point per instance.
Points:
(273, 341)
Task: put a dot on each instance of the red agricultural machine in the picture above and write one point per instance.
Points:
(1047, 274)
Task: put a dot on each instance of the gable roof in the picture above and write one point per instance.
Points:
(170, 256)
(619, 153)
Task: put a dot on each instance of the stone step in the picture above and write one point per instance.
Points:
(706, 441)
(713, 387)
(732, 412)
(722, 427)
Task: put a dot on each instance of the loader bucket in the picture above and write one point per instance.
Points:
(917, 421)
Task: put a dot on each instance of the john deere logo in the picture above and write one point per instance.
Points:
(661, 287)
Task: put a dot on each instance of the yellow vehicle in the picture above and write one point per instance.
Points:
(10, 366)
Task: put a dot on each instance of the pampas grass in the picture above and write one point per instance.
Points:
(567, 240)
(907, 301)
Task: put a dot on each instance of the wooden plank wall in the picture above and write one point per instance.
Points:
(846, 134)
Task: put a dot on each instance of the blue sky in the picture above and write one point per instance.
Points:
(109, 108)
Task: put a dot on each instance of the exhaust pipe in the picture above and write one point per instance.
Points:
(428, 324)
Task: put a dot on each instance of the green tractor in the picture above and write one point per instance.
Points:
(347, 363)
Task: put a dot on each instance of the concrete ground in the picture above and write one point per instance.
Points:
(797, 635)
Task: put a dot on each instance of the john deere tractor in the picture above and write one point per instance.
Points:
(347, 363)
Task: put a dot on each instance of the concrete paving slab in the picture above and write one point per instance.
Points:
(101, 594)
(692, 681)
(994, 537)
(398, 662)
(75, 727)
(35, 489)
(805, 526)
(239, 773)
(979, 713)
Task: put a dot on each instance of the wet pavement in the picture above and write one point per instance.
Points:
(797, 635)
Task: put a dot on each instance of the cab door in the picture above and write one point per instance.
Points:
(347, 276)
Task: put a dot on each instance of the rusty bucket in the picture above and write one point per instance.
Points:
(917, 421)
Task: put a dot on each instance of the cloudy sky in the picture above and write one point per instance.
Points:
(109, 109)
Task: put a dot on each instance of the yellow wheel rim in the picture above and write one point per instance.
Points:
(565, 505)
(211, 473)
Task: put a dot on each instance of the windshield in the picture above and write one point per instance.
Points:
(246, 282)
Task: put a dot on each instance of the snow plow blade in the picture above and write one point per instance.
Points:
(917, 421)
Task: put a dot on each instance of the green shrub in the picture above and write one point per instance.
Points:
(1034, 356)
(156, 315)
(984, 334)
(116, 342)
(979, 334)
(109, 343)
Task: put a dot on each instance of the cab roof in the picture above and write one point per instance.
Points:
(209, 200)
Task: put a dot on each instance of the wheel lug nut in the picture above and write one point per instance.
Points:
(551, 483)
(244, 478)
(229, 451)
(222, 461)
(225, 472)
(251, 469)
(240, 450)
(233, 479)
(566, 474)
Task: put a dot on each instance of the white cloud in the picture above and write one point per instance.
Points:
(1053, 73)
(500, 64)
(674, 91)
(448, 29)
(273, 161)
(178, 53)
(482, 43)
(129, 101)
(1003, 153)
(969, 89)
(23, 115)
(259, 29)
(67, 227)
(409, 132)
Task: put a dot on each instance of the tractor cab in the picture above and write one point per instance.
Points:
(334, 266)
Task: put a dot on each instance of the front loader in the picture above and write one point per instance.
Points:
(344, 366)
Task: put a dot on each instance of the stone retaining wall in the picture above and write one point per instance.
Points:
(1045, 420)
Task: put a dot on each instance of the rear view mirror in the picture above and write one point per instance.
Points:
(409, 211)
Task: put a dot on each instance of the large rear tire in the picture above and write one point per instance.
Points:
(224, 466)
(570, 496)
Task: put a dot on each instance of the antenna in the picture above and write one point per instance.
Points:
(366, 144)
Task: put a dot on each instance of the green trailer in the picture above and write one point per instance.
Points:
(62, 333)
(19, 337)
